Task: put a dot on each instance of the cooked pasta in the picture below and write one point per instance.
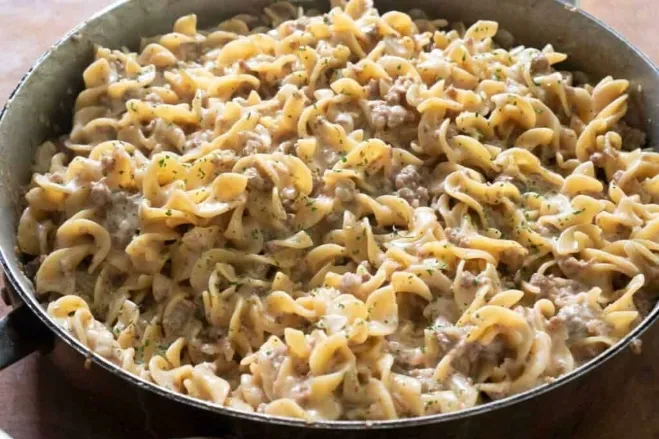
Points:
(348, 215)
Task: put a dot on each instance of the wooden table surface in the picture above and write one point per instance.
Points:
(37, 401)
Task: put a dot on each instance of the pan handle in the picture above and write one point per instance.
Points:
(21, 333)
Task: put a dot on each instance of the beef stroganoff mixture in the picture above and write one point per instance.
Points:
(349, 215)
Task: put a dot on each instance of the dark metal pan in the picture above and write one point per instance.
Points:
(40, 108)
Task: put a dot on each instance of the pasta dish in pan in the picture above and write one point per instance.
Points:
(344, 215)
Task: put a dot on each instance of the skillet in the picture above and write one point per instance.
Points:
(40, 108)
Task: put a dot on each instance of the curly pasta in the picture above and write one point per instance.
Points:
(344, 215)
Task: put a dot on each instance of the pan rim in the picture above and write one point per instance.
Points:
(29, 298)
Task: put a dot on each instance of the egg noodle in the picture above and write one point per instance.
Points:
(348, 215)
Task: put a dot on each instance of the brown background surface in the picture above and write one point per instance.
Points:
(38, 401)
